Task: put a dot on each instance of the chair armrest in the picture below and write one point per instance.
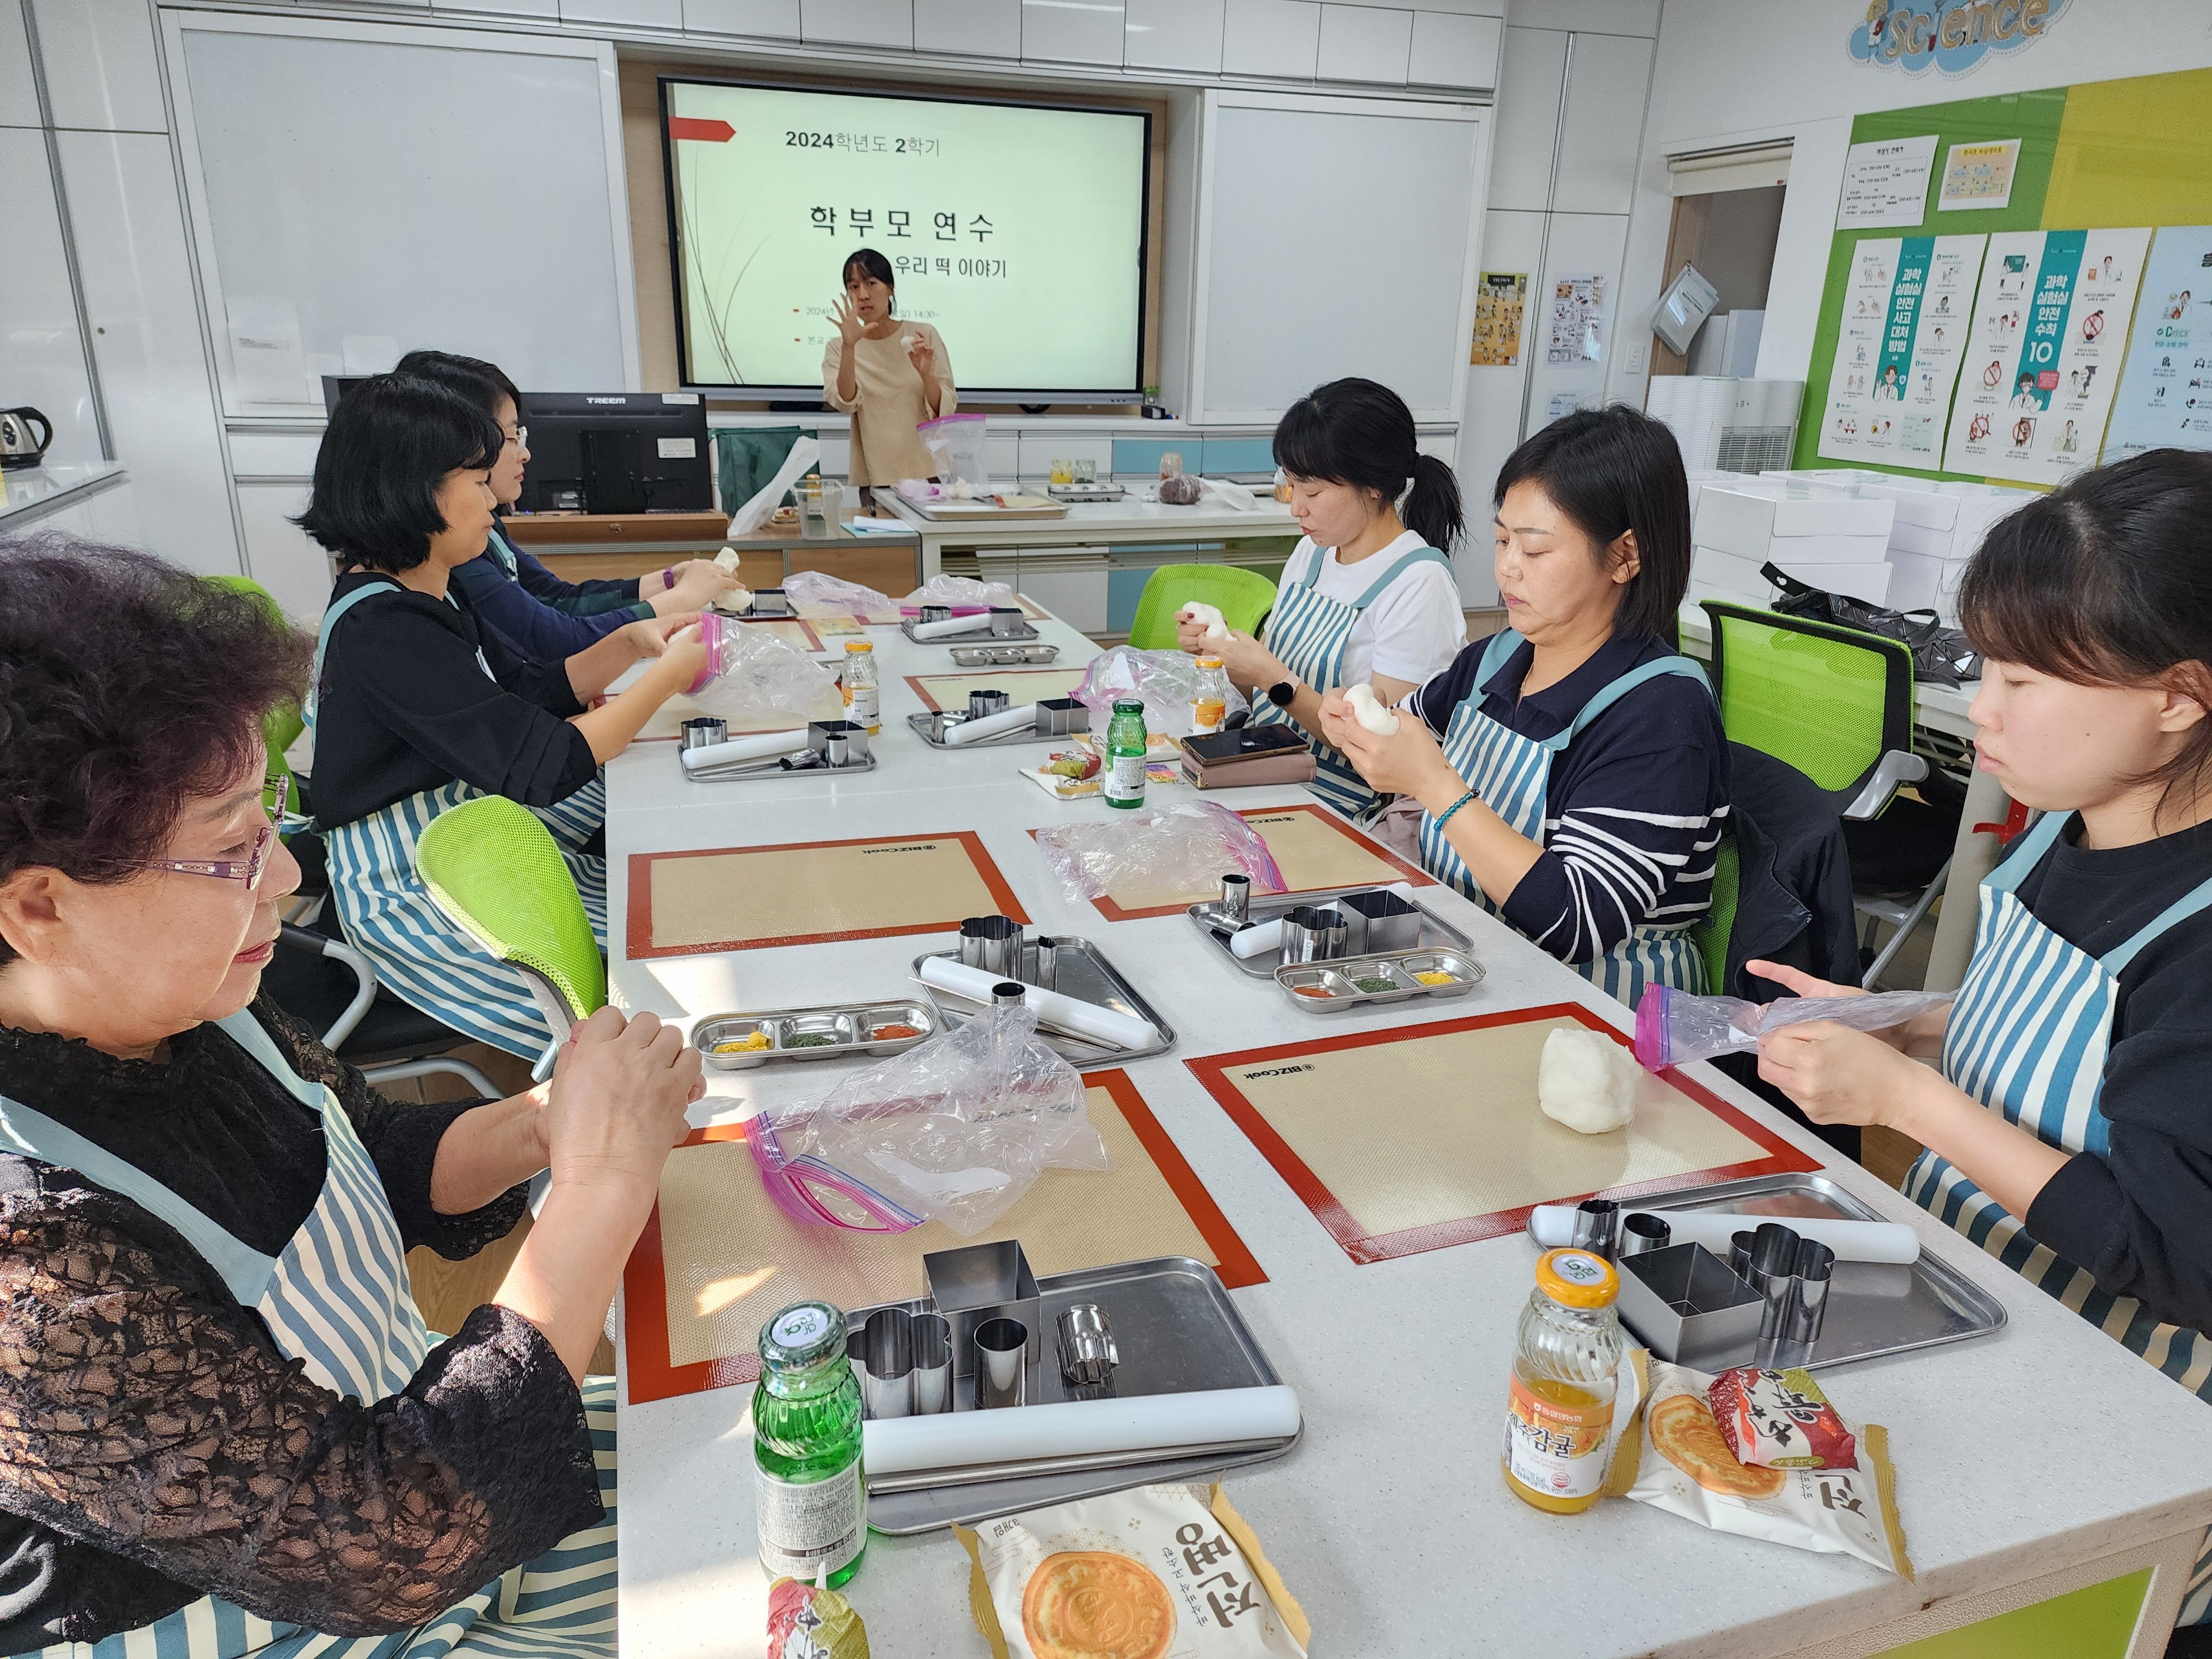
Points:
(1896, 769)
(321, 944)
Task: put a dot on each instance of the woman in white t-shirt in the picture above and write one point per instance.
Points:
(1368, 595)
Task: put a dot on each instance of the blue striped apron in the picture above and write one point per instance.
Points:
(1511, 775)
(338, 1301)
(2028, 1036)
(390, 916)
(1307, 633)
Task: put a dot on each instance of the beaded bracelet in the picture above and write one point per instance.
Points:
(1444, 816)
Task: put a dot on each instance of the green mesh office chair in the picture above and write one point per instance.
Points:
(281, 727)
(1243, 597)
(1712, 935)
(494, 871)
(1836, 704)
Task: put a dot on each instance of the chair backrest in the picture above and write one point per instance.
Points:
(282, 725)
(1830, 701)
(1243, 597)
(1712, 934)
(496, 873)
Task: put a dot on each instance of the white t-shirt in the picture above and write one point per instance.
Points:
(1414, 627)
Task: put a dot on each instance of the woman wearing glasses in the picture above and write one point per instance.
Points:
(540, 613)
(223, 1428)
(415, 709)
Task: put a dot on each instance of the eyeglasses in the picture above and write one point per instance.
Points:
(249, 869)
(521, 435)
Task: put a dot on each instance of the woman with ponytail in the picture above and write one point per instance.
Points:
(1368, 595)
(1570, 769)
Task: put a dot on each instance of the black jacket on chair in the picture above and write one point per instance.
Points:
(1793, 902)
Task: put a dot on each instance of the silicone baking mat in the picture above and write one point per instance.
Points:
(1311, 846)
(745, 898)
(718, 1257)
(1406, 1140)
(939, 692)
(792, 630)
(667, 721)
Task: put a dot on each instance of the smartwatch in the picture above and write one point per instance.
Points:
(1282, 693)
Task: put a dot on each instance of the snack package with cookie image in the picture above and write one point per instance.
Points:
(1675, 1458)
(1155, 1573)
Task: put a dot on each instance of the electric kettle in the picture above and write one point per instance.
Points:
(16, 447)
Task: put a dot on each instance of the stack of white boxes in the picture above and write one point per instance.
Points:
(1937, 530)
(1825, 536)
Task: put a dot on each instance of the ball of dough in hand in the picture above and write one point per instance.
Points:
(1369, 711)
(1217, 628)
(1586, 1081)
(727, 559)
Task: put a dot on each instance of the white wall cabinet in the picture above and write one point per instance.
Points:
(1279, 38)
(979, 28)
(1366, 43)
(1608, 78)
(1072, 31)
(41, 357)
(859, 22)
(1177, 35)
(1452, 51)
(101, 71)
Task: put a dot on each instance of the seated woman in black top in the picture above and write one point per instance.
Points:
(2069, 1129)
(1571, 769)
(415, 709)
(219, 1410)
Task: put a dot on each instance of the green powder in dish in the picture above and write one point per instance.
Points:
(1375, 983)
(810, 1040)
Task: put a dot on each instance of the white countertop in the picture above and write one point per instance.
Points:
(1128, 519)
(32, 490)
(1391, 1523)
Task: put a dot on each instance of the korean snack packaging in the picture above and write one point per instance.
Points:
(1674, 1459)
(1154, 1572)
(810, 1621)
(1780, 1420)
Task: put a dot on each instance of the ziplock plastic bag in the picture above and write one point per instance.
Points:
(812, 593)
(752, 673)
(1673, 1029)
(1165, 680)
(959, 594)
(954, 1130)
(805, 455)
(1185, 849)
(955, 443)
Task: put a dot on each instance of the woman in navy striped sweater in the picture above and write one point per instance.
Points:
(1571, 768)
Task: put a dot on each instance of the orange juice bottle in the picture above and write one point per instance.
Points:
(1562, 1394)
(1209, 701)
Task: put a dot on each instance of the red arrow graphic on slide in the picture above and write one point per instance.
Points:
(706, 132)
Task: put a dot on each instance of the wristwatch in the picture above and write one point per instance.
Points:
(1282, 693)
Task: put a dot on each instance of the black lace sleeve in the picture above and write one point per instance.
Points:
(402, 1140)
(144, 1413)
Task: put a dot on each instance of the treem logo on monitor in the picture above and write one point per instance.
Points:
(1952, 36)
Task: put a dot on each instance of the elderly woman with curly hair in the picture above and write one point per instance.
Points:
(223, 1428)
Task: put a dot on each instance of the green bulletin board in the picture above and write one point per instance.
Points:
(2132, 152)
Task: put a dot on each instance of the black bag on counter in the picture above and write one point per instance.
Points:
(1941, 655)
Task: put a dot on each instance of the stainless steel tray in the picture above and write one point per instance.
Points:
(1875, 1309)
(1436, 934)
(1003, 656)
(1178, 1332)
(751, 771)
(1083, 972)
(931, 727)
(1339, 977)
(979, 635)
(845, 1022)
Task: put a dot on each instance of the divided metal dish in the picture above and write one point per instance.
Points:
(1003, 656)
(846, 1025)
(1338, 978)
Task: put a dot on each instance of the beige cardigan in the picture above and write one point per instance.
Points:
(890, 406)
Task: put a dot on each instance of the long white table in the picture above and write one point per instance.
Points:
(2029, 1463)
(1127, 523)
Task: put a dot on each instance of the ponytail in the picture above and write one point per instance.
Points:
(1360, 433)
(1432, 507)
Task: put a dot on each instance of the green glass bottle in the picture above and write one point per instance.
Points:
(1124, 782)
(810, 1501)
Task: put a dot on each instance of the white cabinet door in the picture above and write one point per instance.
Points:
(19, 94)
(1060, 31)
(1180, 34)
(1366, 43)
(860, 22)
(1608, 77)
(41, 357)
(99, 58)
(1279, 38)
(981, 28)
(1450, 50)
(768, 19)
(625, 14)
(1531, 80)
(279, 554)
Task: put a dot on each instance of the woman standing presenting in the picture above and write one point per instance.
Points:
(889, 376)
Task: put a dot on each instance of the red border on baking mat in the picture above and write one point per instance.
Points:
(1414, 876)
(1365, 1247)
(645, 1279)
(638, 945)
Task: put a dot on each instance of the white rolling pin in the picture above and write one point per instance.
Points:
(951, 1440)
(992, 725)
(1086, 1019)
(951, 625)
(1554, 1226)
(760, 746)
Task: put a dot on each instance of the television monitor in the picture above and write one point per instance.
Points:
(1018, 230)
(617, 451)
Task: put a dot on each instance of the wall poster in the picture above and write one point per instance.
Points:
(1908, 307)
(1500, 299)
(2165, 389)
